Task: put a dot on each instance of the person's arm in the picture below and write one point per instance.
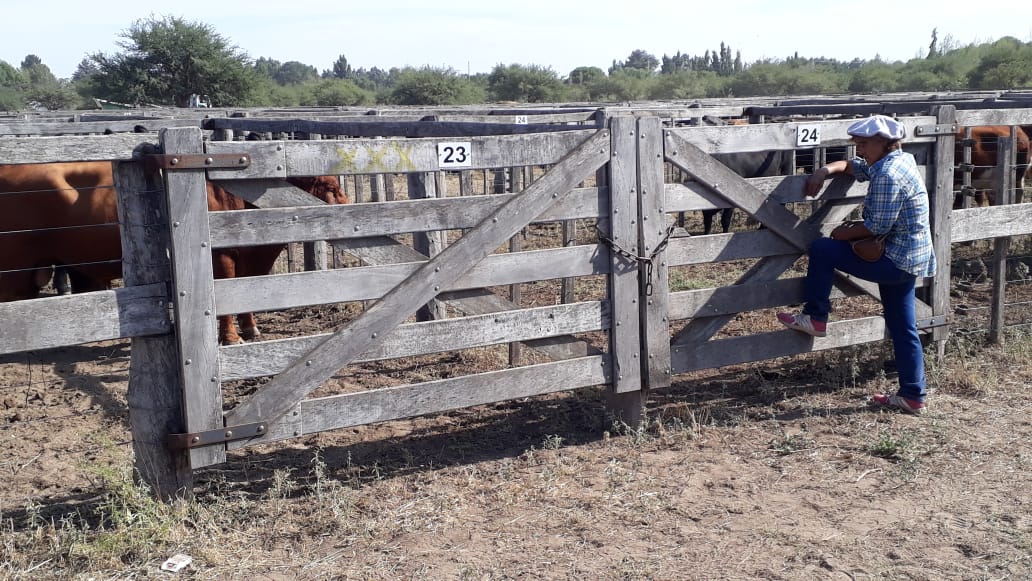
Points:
(815, 182)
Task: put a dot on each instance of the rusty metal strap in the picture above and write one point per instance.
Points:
(212, 437)
(197, 161)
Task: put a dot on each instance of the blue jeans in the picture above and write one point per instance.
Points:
(897, 293)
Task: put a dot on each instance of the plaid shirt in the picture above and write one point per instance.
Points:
(897, 205)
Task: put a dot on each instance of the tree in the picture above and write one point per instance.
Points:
(37, 73)
(1005, 64)
(341, 68)
(340, 92)
(430, 86)
(295, 73)
(933, 49)
(582, 75)
(526, 83)
(165, 60)
(642, 60)
(267, 67)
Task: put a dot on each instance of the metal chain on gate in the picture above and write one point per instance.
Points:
(646, 261)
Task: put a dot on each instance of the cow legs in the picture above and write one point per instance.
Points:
(224, 266)
(248, 326)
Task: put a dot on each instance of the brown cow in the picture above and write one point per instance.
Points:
(65, 214)
(984, 162)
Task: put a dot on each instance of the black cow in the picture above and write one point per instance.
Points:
(751, 164)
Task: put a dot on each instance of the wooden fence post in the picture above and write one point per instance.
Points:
(653, 235)
(193, 294)
(423, 185)
(941, 198)
(155, 396)
(625, 400)
(1005, 184)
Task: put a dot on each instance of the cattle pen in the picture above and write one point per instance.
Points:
(547, 233)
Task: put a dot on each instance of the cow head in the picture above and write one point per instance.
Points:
(326, 188)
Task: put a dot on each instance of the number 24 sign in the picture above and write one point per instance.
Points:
(453, 154)
(808, 135)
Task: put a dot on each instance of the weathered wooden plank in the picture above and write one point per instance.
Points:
(711, 302)
(385, 250)
(318, 221)
(279, 395)
(372, 127)
(783, 190)
(194, 306)
(58, 321)
(990, 222)
(974, 118)
(263, 293)
(72, 148)
(362, 156)
(412, 339)
(625, 334)
(653, 237)
(392, 403)
(148, 125)
(761, 346)
(729, 139)
(941, 216)
(686, 250)
(155, 393)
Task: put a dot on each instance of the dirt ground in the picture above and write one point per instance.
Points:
(773, 470)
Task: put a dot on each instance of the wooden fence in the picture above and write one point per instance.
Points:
(607, 170)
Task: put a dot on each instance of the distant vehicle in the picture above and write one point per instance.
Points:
(200, 101)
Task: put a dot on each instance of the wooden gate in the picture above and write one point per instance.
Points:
(279, 409)
(784, 237)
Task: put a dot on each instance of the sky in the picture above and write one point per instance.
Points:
(475, 35)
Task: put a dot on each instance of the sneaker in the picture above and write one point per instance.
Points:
(910, 406)
(804, 323)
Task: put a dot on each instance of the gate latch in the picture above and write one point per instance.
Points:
(169, 161)
(211, 437)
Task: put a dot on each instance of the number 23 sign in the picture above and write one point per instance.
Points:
(454, 154)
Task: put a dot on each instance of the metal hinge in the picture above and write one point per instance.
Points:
(943, 129)
(211, 437)
(167, 161)
(931, 322)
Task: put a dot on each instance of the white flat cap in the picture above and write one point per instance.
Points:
(882, 125)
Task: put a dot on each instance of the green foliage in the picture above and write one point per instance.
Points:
(769, 78)
(641, 60)
(166, 60)
(528, 84)
(341, 68)
(339, 92)
(430, 86)
(295, 73)
(1005, 64)
(11, 78)
(583, 75)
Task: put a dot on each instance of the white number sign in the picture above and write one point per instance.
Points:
(521, 120)
(453, 154)
(808, 135)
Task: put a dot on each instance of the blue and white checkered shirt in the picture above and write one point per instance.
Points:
(897, 204)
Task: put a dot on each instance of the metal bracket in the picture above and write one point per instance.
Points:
(197, 161)
(932, 322)
(211, 437)
(935, 129)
